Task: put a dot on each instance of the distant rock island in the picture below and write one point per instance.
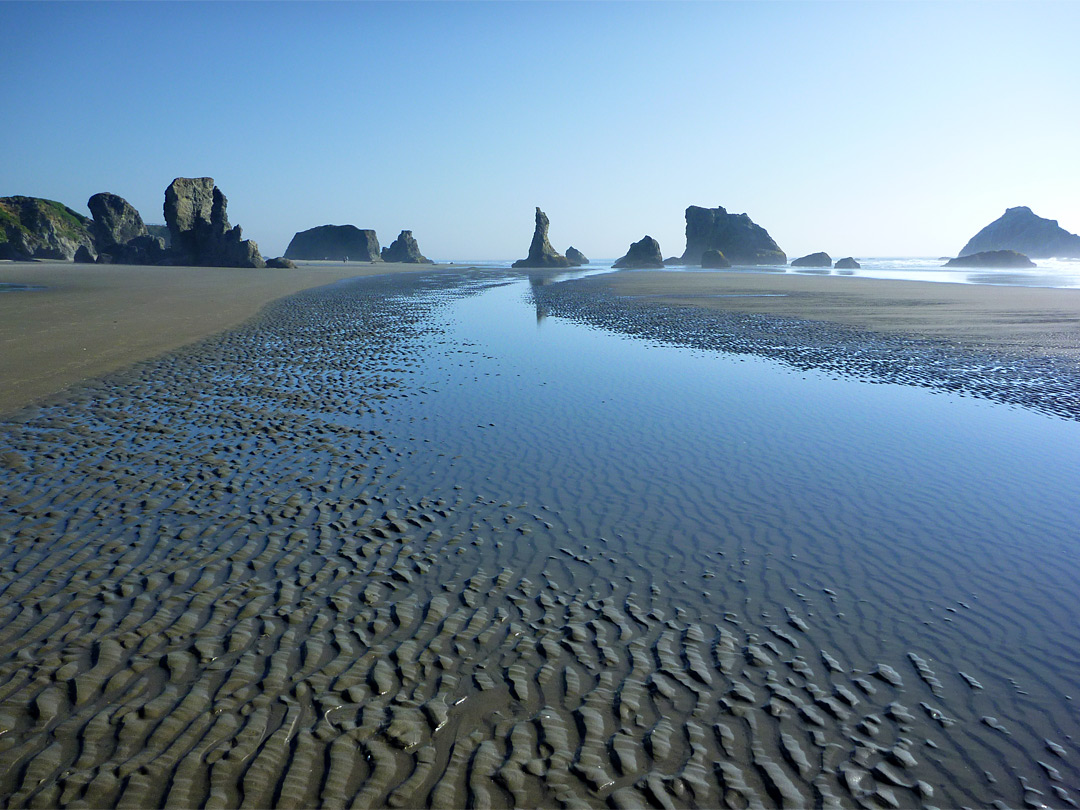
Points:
(335, 242)
(1020, 230)
(643, 254)
(992, 258)
(576, 257)
(199, 227)
(541, 253)
(734, 235)
(405, 250)
(120, 236)
(713, 260)
(847, 263)
(821, 259)
(34, 228)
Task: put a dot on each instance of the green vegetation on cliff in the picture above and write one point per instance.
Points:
(32, 227)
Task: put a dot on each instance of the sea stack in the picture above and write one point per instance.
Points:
(405, 250)
(713, 260)
(576, 257)
(644, 254)
(734, 235)
(821, 259)
(992, 259)
(541, 253)
(1020, 230)
(195, 212)
(335, 242)
(120, 235)
(116, 222)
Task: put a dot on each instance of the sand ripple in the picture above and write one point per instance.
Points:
(215, 592)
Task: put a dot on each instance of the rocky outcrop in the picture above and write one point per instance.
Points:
(541, 253)
(120, 235)
(195, 212)
(336, 243)
(641, 255)
(1020, 230)
(83, 255)
(847, 263)
(34, 228)
(734, 235)
(280, 263)
(162, 232)
(405, 250)
(821, 259)
(992, 258)
(576, 257)
(116, 222)
(714, 260)
(144, 249)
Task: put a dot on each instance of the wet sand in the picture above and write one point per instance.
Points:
(218, 588)
(1012, 345)
(81, 321)
(1029, 320)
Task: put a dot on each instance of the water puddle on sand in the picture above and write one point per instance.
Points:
(409, 542)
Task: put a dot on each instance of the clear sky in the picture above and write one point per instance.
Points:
(873, 129)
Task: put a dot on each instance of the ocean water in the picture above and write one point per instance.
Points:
(410, 541)
(1064, 273)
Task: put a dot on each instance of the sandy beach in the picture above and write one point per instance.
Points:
(87, 320)
(1026, 320)
(386, 543)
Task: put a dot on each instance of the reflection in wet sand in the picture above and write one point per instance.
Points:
(390, 545)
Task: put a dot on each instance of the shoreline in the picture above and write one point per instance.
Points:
(1033, 321)
(82, 321)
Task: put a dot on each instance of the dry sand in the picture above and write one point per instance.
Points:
(1026, 320)
(91, 319)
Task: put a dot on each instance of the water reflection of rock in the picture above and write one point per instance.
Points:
(538, 280)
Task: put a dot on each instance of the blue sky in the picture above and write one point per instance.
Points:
(878, 128)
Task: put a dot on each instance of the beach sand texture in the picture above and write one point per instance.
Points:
(216, 590)
(1031, 320)
(87, 320)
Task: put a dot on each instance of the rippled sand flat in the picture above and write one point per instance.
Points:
(269, 571)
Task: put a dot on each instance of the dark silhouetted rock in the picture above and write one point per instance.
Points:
(34, 228)
(992, 258)
(116, 222)
(673, 261)
(541, 253)
(847, 263)
(734, 235)
(335, 242)
(145, 249)
(120, 235)
(821, 259)
(1020, 230)
(280, 263)
(576, 257)
(162, 232)
(714, 260)
(641, 255)
(199, 230)
(405, 250)
(84, 256)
